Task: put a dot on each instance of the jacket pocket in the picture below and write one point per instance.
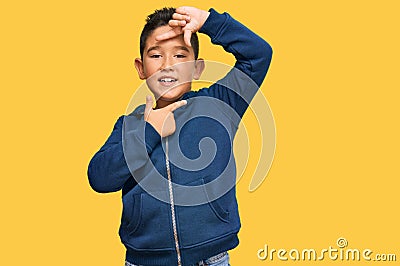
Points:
(130, 212)
(219, 211)
(202, 223)
(135, 216)
(150, 224)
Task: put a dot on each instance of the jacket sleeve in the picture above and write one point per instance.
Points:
(129, 142)
(253, 56)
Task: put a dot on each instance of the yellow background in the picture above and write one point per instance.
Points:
(67, 74)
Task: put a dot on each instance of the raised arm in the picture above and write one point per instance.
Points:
(253, 56)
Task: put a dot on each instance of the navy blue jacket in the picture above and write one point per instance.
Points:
(178, 193)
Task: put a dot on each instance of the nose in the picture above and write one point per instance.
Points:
(167, 64)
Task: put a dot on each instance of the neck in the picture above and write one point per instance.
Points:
(161, 103)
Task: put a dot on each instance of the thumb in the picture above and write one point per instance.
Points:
(149, 106)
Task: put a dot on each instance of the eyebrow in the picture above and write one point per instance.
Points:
(152, 48)
(179, 47)
(182, 48)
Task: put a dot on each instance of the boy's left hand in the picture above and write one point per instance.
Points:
(186, 20)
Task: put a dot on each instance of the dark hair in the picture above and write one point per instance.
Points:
(159, 18)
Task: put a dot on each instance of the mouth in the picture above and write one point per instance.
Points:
(167, 81)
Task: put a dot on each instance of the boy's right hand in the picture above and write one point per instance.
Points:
(162, 119)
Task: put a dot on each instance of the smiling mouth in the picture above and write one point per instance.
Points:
(167, 81)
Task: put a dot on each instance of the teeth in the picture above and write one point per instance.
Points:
(167, 80)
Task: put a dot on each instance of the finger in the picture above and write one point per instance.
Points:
(169, 34)
(176, 105)
(186, 37)
(149, 105)
(177, 23)
(182, 10)
(177, 16)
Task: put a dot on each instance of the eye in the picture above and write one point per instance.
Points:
(155, 56)
(180, 56)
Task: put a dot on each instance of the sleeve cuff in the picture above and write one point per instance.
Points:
(213, 24)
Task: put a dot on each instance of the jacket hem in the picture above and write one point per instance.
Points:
(189, 256)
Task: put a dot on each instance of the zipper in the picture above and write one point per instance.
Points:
(171, 198)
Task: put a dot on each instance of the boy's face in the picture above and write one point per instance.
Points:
(168, 66)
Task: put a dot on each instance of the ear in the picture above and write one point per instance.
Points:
(198, 69)
(139, 68)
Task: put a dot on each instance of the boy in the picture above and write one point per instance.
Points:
(178, 187)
